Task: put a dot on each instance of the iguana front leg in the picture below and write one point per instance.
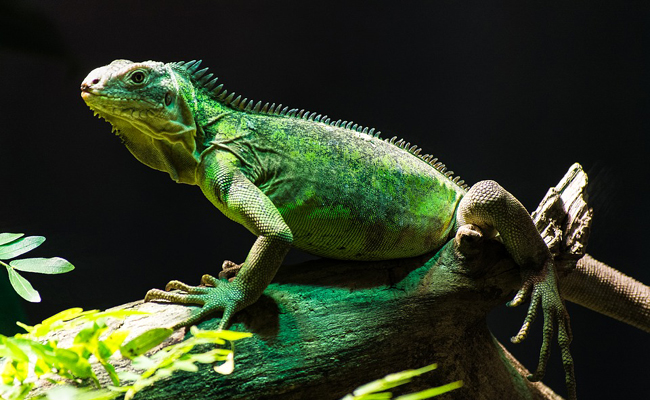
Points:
(239, 199)
(493, 209)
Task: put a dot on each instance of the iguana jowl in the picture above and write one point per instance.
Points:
(294, 178)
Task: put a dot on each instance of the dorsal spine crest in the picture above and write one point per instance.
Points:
(203, 79)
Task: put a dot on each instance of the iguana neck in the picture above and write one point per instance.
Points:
(181, 158)
(226, 130)
(159, 154)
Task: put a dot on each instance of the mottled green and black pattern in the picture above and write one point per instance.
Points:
(341, 203)
(296, 178)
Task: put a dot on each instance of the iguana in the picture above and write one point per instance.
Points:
(298, 178)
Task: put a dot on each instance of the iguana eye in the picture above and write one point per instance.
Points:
(137, 77)
(168, 99)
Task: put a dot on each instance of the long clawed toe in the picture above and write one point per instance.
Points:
(185, 288)
(531, 315)
(211, 296)
(209, 280)
(543, 292)
(174, 297)
(188, 294)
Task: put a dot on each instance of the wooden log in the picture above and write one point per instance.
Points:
(323, 328)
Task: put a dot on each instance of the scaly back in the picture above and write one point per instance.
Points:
(203, 80)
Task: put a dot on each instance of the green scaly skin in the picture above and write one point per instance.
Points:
(298, 179)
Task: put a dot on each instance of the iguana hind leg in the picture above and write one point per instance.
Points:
(229, 270)
(493, 209)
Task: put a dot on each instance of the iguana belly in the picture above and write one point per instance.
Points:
(355, 239)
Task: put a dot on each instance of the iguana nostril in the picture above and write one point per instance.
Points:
(85, 86)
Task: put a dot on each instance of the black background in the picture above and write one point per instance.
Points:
(511, 91)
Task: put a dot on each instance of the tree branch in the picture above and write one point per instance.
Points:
(324, 327)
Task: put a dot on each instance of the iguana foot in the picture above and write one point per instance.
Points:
(213, 295)
(229, 270)
(542, 288)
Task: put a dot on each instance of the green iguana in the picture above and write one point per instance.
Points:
(297, 178)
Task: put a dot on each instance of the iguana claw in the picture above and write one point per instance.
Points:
(220, 295)
(542, 288)
(229, 270)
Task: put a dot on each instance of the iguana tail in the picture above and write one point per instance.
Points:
(601, 288)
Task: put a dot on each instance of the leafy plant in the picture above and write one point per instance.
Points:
(34, 355)
(377, 390)
(13, 245)
(178, 357)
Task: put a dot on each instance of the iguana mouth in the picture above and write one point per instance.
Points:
(87, 93)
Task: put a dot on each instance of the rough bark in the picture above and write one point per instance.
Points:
(323, 328)
(564, 218)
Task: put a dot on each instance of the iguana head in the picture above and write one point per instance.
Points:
(148, 104)
(145, 96)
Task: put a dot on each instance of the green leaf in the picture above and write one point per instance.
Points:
(392, 380)
(22, 370)
(433, 392)
(20, 392)
(54, 265)
(7, 374)
(58, 321)
(117, 314)
(26, 327)
(23, 287)
(112, 343)
(145, 342)
(71, 361)
(66, 315)
(163, 373)
(41, 367)
(20, 246)
(103, 352)
(219, 334)
(14, 371)
(185, 365)
(65, 392)
(227, 367)
(46, 352)
(128, 376)
(143, 362)
(211, 356)
(9, 237)
(13, 351)
(90, 334)
(111, 372)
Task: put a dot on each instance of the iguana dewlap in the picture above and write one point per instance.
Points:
(295, 178)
